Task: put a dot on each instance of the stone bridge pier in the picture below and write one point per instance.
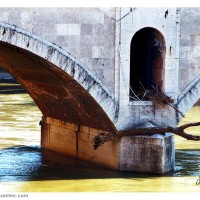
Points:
(76, 99)
(150, 154)
(76, 106)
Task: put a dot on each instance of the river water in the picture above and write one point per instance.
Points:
(25, 167)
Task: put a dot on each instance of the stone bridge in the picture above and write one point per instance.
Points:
(77, 102)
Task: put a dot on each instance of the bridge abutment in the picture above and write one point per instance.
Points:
(149, 154)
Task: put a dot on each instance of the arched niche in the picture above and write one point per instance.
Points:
(147, 55)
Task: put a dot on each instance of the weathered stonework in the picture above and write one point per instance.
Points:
(189, 46)
(149, 154)
(87, 33)
(100, 38)
(75, 64)
(77, 141)
(50, 75)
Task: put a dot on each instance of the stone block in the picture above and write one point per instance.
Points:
(86, 152)
(14, 17)
(94, 132)
(97, 63)
(109, 28)
(184, 40)
(86, 29)
(147, 111)
(45, 135)
(4, 16)
(97, 51)
(74, 51)
(109, 41)
(194, 28)
(49, 29)
(98, 29)
(26, 17)
(62, 140)
(108, 75)
(97, 40)
(91, 138)
(109, 19)
(109, 62)
(84, 129)
(83, 137)
(64, 16)
(150, 154)
(109, 52)
(105, 155)
(60, 123)
(93, 17)
(86, 52)
(68, 29)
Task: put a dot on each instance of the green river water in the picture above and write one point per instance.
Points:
(24, 167)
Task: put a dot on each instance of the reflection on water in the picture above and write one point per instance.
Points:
(19, 120)
(32, 169)
(24, 167)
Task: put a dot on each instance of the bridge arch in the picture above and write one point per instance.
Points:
(189, 96)
(61, 86)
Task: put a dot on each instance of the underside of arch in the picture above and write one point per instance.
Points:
(57, 93)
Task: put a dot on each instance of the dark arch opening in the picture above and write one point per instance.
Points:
(147, 54)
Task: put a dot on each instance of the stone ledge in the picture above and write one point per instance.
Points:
(140, 103)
